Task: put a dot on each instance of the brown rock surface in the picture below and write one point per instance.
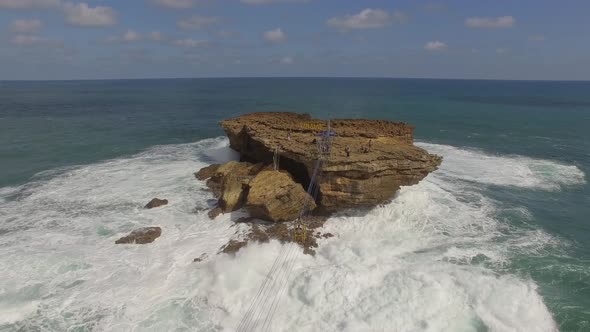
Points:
(141, 236)
(382, 155)
(229, 183)
(275, 196)
(156, 202)
(206, 172)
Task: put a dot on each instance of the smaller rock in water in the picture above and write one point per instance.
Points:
(200, 258)
(141, 236)
(155, 203)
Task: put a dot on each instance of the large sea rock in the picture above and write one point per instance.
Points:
(381, 159)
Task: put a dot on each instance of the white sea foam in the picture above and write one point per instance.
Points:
(424, 262)
(518, 171)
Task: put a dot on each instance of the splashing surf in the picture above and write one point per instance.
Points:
(427, 261)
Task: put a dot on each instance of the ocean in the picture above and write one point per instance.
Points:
(497, 239)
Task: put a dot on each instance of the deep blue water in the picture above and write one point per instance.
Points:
(52, 125)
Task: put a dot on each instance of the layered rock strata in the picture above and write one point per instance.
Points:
(369, 161)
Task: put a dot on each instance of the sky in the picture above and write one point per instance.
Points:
(115, 39)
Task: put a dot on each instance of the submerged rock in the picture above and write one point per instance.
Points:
(156, 202)
(141, 236)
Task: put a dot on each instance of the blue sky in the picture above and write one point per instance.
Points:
(70, 39)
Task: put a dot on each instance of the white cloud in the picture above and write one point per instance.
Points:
(366, 19)
(131, 36)
(156, 35)
(266, 2)
(83, 15)
(275, 36)
(188, 42)
(28, 4)
(490, 22)
(128, 37)
(26, 40)
(175, 4)
(26, 26)
(30, 40)
(435, 46)
(537, 38)
(502, 50)
(196, 22)
(287, 60)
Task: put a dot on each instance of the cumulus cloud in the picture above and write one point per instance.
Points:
(156, 36)
(197, 22)
(28, 4)
(31, 40)
(501, 22)
(128, 37)
(366, 19)
(435, 46)
(175, 4)
(189, 42)
(82, 15)
(287, 60)
(26, 26)
(275, 36)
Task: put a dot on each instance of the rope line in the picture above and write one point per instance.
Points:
(279, 273)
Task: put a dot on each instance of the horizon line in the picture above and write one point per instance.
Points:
(293, 77)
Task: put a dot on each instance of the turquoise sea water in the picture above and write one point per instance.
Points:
(518, 151)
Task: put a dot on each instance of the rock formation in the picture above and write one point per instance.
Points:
(275, 196)
(265, 193)
(141, 236)
(156, 202)
(369, 161)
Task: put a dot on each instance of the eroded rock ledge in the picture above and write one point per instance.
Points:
(382, 158)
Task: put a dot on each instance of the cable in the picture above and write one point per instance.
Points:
(284, 262)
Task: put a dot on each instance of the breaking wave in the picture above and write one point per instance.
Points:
(517, 171)
(431, 260)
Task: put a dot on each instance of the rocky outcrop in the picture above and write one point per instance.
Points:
(381, 156)
(265, 193)
(275, 196)
(229, 182)
(206, 172)
(141, 236)
(156, 202)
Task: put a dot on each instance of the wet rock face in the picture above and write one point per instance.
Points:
(156, 202)
(369, 162)
(267, 194)
(141, 236)
(206, 172)
(275, 196)
(229, 182)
